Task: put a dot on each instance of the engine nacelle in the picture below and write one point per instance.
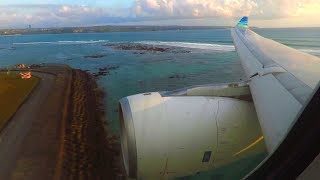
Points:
(183, 135)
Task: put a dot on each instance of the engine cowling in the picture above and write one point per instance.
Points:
(183, 135)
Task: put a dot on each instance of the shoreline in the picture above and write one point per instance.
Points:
(102, 29)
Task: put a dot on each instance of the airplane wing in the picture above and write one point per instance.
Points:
(281, 80)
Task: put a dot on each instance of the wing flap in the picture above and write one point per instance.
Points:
(276, 108)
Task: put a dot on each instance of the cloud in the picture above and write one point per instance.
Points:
(57, 15)
(193, 8)
(273, 9)
(259, 9)
(51, 15)
(76, 12)
(263, 13)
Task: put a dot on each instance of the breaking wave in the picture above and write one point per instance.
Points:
(63, 42)
(204, 46)
(214, 47)
(311, 51)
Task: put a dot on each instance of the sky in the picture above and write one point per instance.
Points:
(70, 13)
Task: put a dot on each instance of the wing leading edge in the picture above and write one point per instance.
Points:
(281, 80)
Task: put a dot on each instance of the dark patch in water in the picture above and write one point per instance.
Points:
(139, 53)
(177, 76)
(95, 56)
(105, 71)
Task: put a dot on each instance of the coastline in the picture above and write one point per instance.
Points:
(102, 29)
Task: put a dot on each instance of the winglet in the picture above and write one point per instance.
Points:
(243, 22)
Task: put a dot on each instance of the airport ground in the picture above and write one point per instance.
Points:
(58, 130)
(13, 92)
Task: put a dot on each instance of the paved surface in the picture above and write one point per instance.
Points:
(58, 132)
(12, 137)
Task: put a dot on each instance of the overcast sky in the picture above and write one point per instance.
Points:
(62, 13)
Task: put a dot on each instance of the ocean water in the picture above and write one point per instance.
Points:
(196, 57)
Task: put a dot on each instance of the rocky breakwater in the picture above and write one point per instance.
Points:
(140, 48)
(89, 150)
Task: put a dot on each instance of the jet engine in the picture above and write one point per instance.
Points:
(173, 136)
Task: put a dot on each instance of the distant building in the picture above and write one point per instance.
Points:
(29, 26)
(77, 30)
(20, 66)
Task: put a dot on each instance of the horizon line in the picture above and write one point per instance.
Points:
(123, 25)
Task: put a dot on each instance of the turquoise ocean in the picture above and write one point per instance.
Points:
(195, 57)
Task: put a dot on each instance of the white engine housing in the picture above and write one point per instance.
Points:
(183, 135)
